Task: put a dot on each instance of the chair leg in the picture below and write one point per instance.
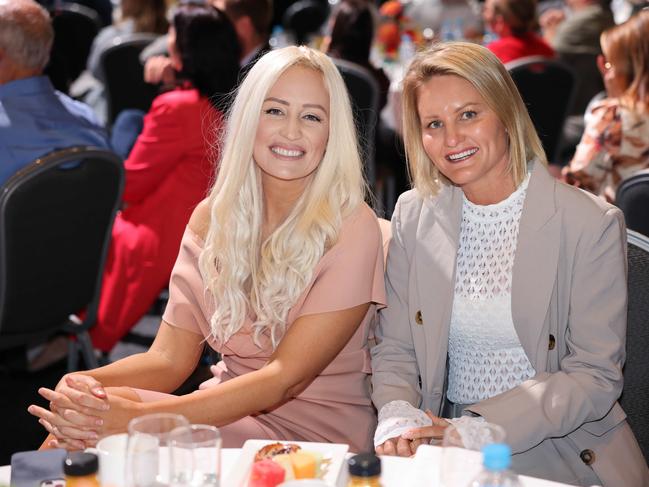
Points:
(87, 350)
(73, 359)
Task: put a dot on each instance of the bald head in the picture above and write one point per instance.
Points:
(26, 36)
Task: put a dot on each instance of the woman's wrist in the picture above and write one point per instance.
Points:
(137, 409)
(121, 412)
(397, 417)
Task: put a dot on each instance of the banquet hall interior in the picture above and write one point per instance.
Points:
(106, 68)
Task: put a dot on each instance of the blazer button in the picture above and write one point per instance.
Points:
(418, 319)
(552, 343)
(587, 456)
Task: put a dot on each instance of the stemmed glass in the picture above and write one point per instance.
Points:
(461, 447)
(148, 453)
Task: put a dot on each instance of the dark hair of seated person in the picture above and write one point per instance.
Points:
(209, 49)
(352, 31)
(519, 15)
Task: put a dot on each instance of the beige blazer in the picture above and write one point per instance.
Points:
(569, 296)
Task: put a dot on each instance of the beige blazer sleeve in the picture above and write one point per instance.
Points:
(395, 373)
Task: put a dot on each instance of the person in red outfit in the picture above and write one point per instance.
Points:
(514, 21)
(168, 171)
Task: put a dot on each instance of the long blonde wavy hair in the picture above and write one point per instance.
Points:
(241, 272)
(485, 72)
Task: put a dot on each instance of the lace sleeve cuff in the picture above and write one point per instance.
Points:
(474, 431)
(397, 417)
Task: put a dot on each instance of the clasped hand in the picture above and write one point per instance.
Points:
(406, 445)
(80, 412)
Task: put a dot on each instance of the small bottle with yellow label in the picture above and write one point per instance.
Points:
(81, 469)
(364, 470)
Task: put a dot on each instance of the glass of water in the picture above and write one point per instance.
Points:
(195, 455)
(148, 449)
(461, 450)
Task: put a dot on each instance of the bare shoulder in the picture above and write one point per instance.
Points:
(361, 221)
(199, 222)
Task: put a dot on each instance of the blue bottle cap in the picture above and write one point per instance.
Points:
(496, 456)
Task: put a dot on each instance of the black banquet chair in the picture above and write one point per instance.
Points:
(632, 197)
(56, 217)
(547, 87)
(304, 18)
(364, 94)
(588, 79)
(635, 395)
(75, 27)
(124, 75)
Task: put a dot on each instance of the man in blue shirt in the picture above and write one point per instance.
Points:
(35, 118)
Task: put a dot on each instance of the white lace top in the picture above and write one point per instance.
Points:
(485, 354)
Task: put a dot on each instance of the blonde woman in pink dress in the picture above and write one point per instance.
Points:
(280, 269)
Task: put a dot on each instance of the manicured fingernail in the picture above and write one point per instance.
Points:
(98, 391)
(30, 409)
(99, 422)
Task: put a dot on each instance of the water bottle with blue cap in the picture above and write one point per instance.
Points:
(496, 460)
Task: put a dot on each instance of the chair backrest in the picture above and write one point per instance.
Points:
(547, 88)
(124, 75)
(588, 79)
(364, 94)
(635, 395)
(56, 217)
(632, 197)
(75, 27)
(304, 18)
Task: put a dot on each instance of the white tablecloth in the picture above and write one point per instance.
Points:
(5, 475)
(421, 471)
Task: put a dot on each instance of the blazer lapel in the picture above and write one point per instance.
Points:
(536, 260)
(435, 255)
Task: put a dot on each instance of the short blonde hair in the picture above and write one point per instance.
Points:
(485, 72)
(240, 271)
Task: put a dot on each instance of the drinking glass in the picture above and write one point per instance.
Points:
(461, 450)
(148, 460)
(195, 455)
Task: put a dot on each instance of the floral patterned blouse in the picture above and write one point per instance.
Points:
(615, 145)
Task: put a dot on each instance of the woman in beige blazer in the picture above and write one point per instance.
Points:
(525, 313)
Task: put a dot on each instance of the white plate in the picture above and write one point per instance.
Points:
(241, 470)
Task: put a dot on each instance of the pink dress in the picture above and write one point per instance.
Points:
(336, 406)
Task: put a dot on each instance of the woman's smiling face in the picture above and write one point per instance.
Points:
(293, 127)
(464, 138)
